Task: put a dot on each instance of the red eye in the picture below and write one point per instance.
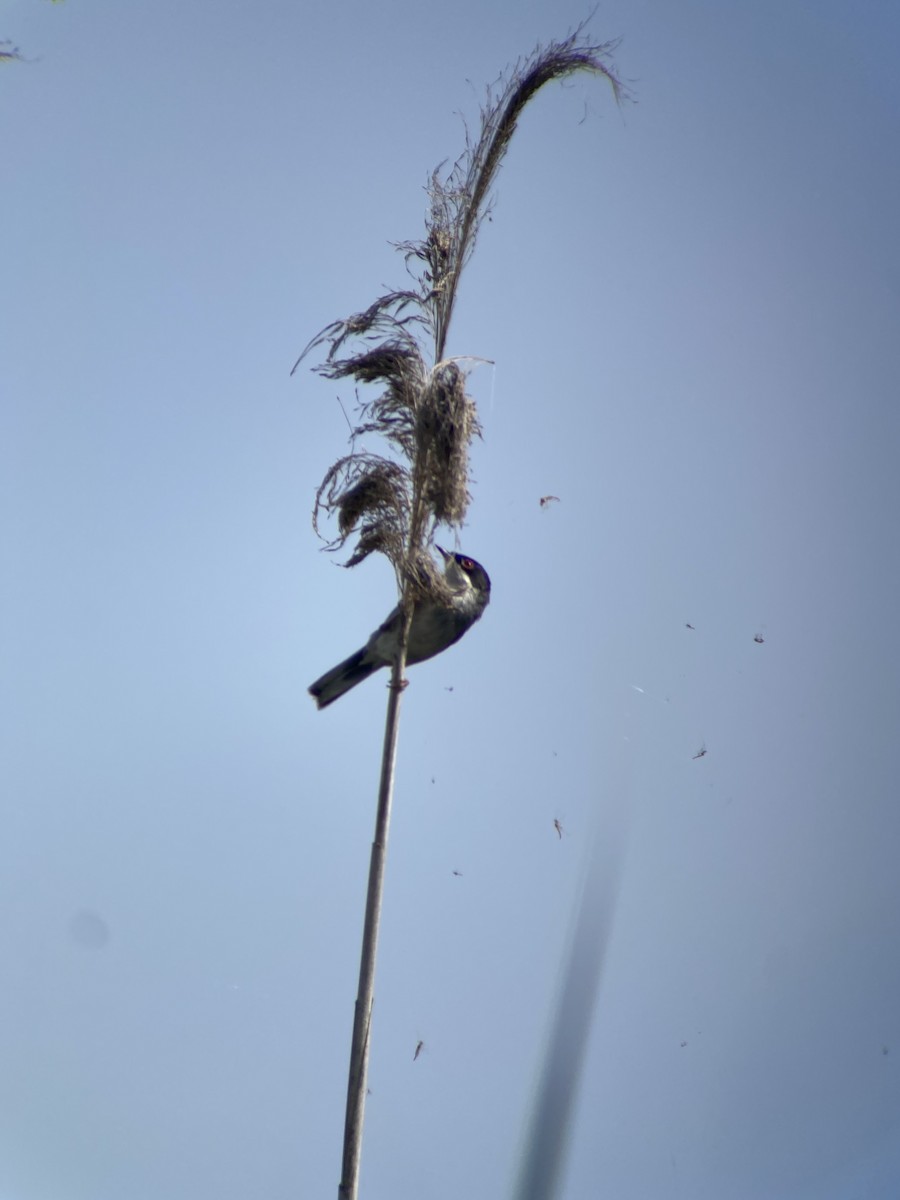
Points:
(466, 564)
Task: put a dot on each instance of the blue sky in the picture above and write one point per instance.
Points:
(692, 307)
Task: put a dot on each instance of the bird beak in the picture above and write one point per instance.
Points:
(443, 551)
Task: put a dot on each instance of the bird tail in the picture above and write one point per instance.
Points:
(346, 675)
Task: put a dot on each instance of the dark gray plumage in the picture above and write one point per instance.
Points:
(434, 627)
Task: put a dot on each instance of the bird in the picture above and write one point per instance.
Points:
(435, 626)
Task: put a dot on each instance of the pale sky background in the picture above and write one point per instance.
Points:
(693, 305)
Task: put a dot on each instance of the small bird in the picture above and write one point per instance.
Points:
(435, 626)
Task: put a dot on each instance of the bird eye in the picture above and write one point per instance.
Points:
(467, 564)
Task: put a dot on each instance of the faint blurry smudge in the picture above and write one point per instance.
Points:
(89, 930)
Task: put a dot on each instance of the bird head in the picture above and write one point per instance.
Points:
(465, 575)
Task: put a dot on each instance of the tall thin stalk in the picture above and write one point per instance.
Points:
(362, 1015)
(394, 502)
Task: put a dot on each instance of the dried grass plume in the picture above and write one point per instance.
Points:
(393, 501)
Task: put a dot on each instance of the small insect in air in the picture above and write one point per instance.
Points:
(688, 625)
(701, 752)
(420, 1046)
(557, 825)
(759, 639)
(546, 501)
(458, 874)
